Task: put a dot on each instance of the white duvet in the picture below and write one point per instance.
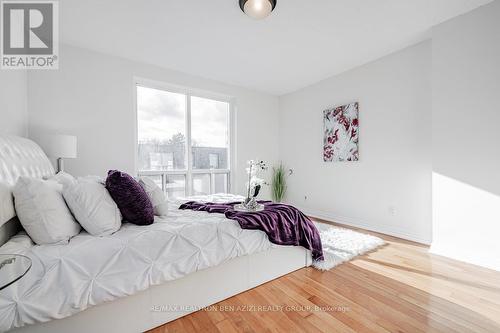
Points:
(69, 278)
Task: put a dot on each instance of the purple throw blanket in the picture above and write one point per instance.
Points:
(283, 224)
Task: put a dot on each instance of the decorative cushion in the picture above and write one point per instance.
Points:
(156, 196)
(132, 200)
(42, 211)
(92, 206)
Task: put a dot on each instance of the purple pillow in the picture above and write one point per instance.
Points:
(130, 197)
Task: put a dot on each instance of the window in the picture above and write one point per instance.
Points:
(183, 141)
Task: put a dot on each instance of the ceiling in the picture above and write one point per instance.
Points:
(300, 43)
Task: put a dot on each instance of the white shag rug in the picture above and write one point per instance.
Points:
(341, 245)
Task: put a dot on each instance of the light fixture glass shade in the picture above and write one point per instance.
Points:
(258, 9)
(61, 146)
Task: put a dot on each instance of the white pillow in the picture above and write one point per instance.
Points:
(6, 203)
(43, 212)
(156, 195)
(92, 206)
(63, 178)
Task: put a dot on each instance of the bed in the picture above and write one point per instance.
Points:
(136, 279)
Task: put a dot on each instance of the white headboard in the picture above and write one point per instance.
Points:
(18, 157)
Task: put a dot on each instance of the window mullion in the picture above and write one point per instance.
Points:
(189, 174)
(212, 182)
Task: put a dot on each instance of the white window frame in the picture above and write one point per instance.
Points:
(189, 171)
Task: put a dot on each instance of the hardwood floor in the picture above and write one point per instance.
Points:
(398, 288)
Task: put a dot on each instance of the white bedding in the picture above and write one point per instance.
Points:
(69, 278)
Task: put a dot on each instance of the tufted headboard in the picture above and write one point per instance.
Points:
(18, 157)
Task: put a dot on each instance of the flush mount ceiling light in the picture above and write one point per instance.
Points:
(257, 9)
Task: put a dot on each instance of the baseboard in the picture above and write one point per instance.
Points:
(367, 226)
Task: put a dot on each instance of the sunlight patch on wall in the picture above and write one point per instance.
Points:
(466, 222)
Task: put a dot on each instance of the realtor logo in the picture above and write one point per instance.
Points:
(30, 35)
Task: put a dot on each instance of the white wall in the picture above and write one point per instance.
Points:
(429, 119)
(92, 97)
(466, 137)
(13, 102)
(394, 171)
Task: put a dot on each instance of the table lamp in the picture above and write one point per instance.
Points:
(61, 147)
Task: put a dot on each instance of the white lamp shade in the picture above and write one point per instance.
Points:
(61, 146)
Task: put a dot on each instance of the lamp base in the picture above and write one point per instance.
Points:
(60, 164)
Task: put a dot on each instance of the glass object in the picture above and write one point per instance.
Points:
(209, 133)
(12, 268)
(161, 130)
(251, 206)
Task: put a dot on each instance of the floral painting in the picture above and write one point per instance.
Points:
(341, 133)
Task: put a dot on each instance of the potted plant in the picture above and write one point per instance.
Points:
(278, 182)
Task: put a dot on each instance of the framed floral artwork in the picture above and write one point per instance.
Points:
(341, 133)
